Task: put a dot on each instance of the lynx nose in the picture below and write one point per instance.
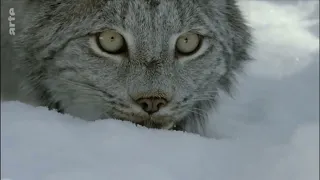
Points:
(151, 104)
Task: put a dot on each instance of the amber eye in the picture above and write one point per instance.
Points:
(111, 42)
(188, 43)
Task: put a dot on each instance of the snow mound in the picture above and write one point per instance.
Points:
(38, 144)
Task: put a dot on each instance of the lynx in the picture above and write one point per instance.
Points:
(157, 63)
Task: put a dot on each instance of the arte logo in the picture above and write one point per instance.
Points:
(12, 26)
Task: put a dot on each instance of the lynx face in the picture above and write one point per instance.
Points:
(157, 63)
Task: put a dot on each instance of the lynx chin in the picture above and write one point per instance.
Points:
(157, 63)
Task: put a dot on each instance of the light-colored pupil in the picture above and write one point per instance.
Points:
(187, 43)
(111, 41)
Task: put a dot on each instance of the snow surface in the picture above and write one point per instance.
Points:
(269, 131)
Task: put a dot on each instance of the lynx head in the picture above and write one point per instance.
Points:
(152, 62)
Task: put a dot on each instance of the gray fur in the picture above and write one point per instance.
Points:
(57, 65)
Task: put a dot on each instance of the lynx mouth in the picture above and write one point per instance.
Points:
(155, 125)
(166, 125)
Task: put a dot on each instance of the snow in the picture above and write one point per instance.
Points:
(269, 131)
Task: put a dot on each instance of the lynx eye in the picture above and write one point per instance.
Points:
(188, 43)
(111, 42)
